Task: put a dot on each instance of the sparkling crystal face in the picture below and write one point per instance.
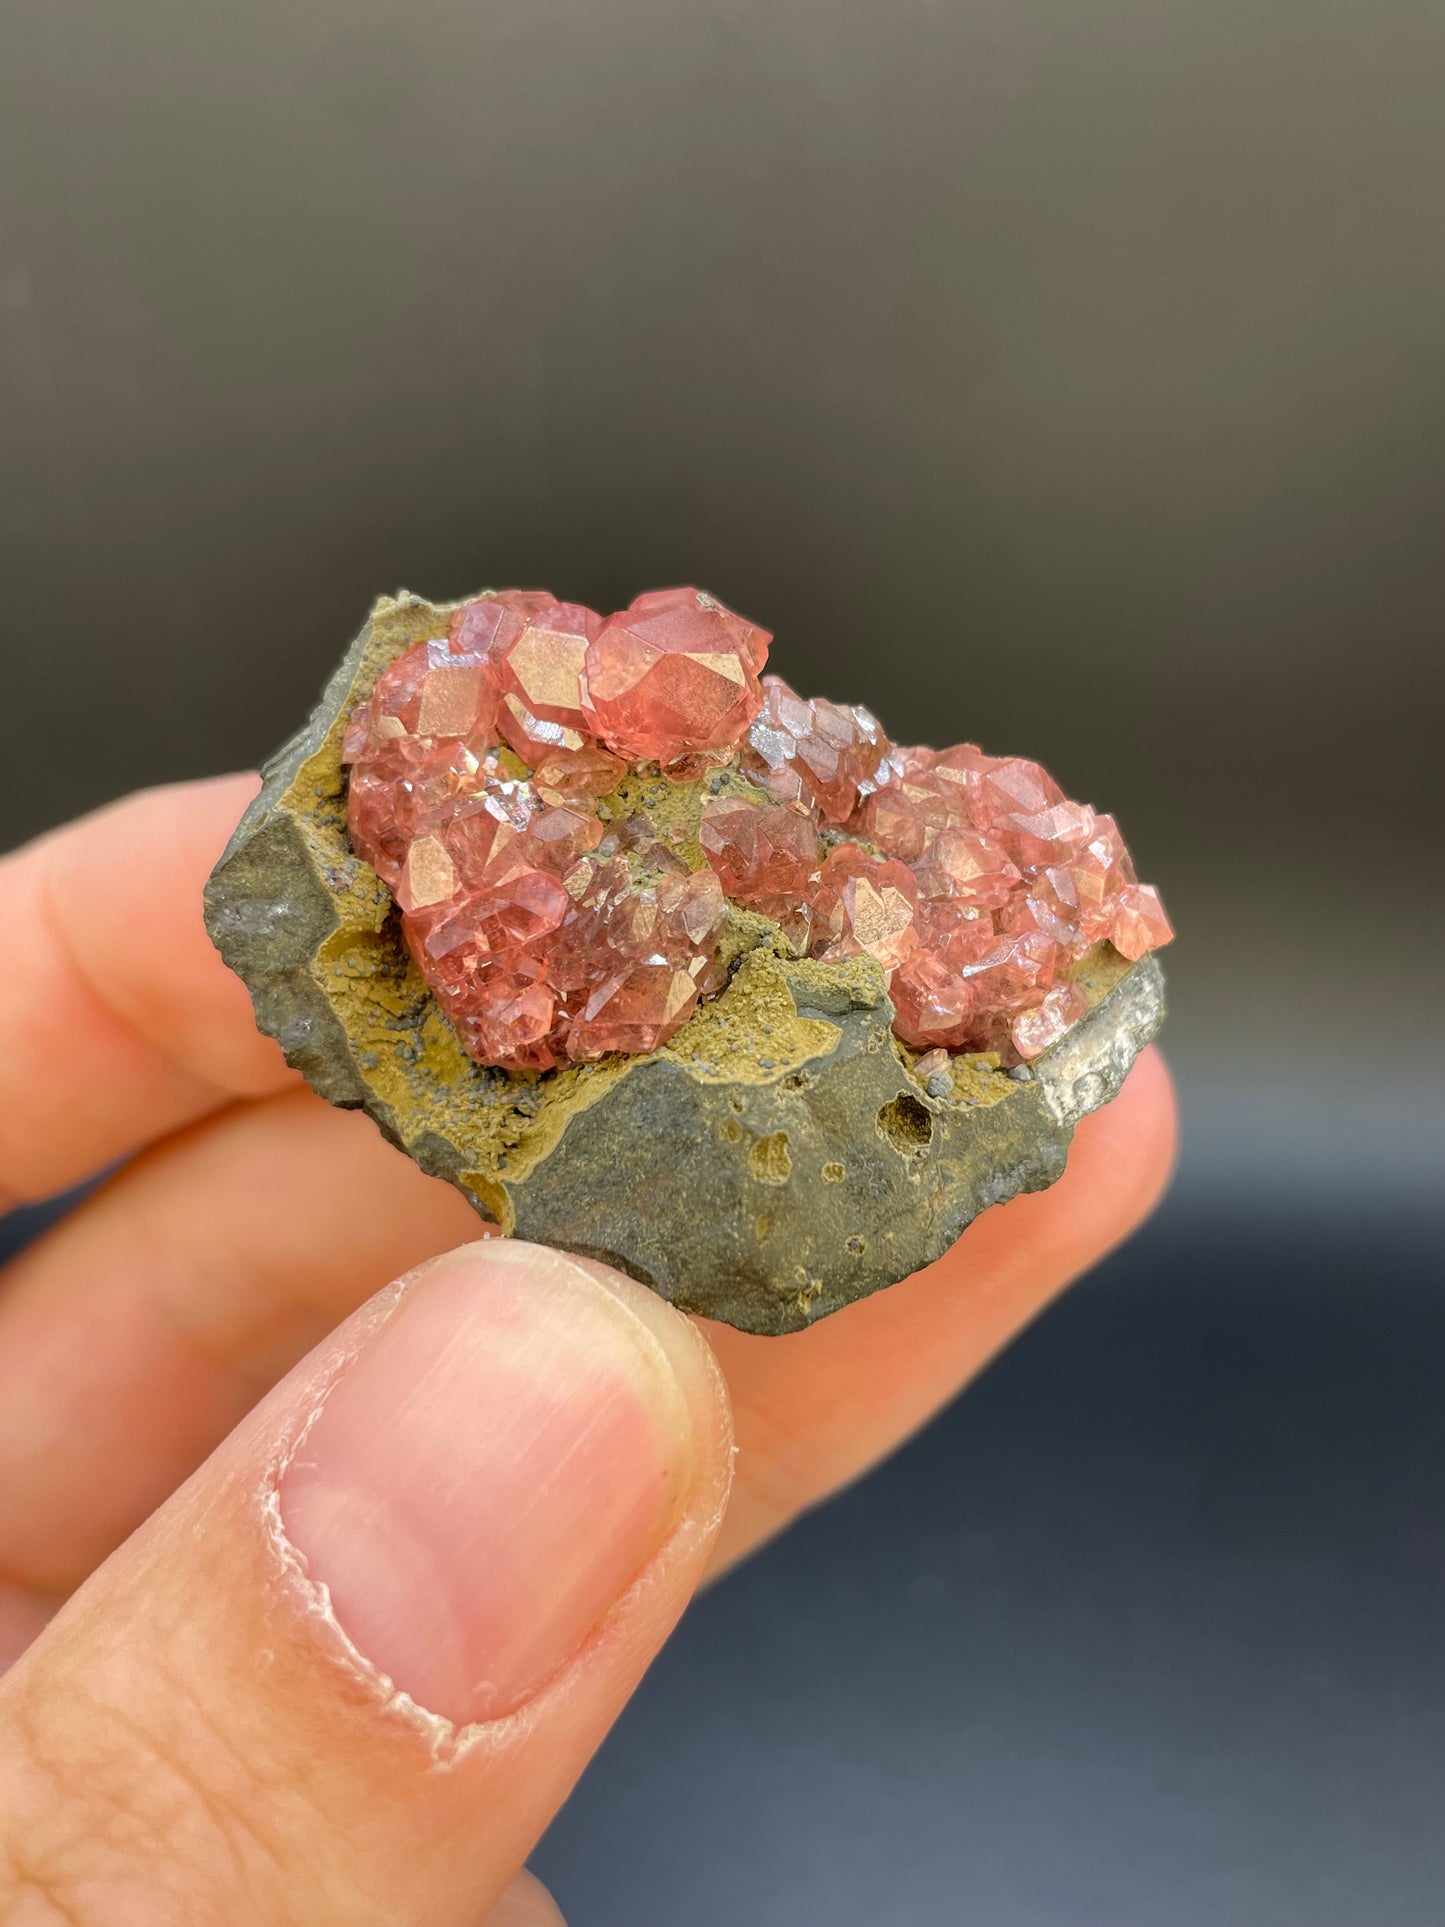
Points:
(675, 676)
(555, 924)
(817, 753)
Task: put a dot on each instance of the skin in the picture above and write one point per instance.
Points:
(186, 1738)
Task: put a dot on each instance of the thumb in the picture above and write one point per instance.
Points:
(350, 1670)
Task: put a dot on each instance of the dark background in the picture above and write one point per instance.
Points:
(1068, 377)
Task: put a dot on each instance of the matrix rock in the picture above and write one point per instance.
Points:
(658, 963)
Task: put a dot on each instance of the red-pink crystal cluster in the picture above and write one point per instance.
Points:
(553, 928)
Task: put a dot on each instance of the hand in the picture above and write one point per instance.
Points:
(349, 1604)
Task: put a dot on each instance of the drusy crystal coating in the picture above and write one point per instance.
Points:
(554, 926)
(656, 960)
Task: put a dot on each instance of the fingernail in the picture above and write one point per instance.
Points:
(526, 1903)
(490, 1473)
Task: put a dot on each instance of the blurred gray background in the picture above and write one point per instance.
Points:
(1065, 377)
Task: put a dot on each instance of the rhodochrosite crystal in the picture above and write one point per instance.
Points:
(674, 675)
(816, 753)
(554, 923)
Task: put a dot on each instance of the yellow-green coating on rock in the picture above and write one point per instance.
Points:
(778, 1159)
(753, 1033)
(674, 810)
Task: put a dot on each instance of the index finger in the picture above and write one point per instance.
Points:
(118, 1021)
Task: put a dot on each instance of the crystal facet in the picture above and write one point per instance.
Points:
(865, 905)
(540, 674)
(817, 753)
(933, 1005)
(675, 675)
(1034, 1029)
(556, 923)
(1139, 922)
(762, 853)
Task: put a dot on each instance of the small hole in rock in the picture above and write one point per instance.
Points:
(857, 1245)
(769, 1160)
(907, 1125)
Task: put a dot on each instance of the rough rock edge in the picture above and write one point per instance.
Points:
(784, 1193)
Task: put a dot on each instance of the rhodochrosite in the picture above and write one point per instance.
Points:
(555, 925)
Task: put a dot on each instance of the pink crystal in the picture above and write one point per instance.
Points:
(622, 934)
(515, 911)
(904, 817)
(1009, 971)
(376, 820)
(601, 928)
(865, 905)
(539, 670)
(428, 875)
(553, 930)
(955, 930)
(478, 826)
(404, 784)
(1033, 1030)
(761, 853)
(968, 867)
(533, 650)
(1139, 924)
(694, 908)
(434, 692)
(817, 753)
(1050, 909)
(478, 625)
(1050, 835)
(674, 675)
(933, 1005)
(766, 857)
(995, 787)
(565, 769)
(1101, 872)
(510, 1016)
(561, 832)
(633, 1010)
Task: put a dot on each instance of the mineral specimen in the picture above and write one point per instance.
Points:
(656, 960)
